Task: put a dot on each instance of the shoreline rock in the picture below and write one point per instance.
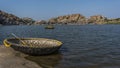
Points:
(13, 59)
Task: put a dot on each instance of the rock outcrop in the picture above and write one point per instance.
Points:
(28, 21)
(69, 19)
(79, 19)
(97, 19)
(10, 19)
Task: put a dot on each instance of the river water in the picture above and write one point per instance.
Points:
(84, 46)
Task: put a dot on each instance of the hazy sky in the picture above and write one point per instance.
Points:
(45, 9)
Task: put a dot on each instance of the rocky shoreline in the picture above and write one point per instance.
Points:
(10, 58)
(78, 19)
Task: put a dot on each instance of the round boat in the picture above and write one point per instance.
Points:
(34, 46)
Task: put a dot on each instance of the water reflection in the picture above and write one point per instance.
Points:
(48, 61)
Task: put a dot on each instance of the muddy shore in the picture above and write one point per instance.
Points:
(10, 58)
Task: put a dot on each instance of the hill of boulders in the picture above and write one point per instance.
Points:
(10, 19)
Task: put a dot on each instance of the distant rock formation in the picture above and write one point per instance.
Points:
(10, 19)
(78, 19)
(113, 21)
(97, 19)
(28, 21)
(69, 19)
(40, 22)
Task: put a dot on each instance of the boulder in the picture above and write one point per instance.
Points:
(13, 59)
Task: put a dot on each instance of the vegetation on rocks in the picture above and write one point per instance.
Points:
(113, 21)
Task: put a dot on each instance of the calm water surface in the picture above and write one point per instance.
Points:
(85, 46)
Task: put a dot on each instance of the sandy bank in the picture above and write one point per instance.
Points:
(13, 59)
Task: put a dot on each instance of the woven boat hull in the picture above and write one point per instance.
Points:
(34, 50)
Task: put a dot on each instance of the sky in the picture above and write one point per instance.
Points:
(46, 9)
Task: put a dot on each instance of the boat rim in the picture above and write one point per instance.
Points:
(8, 43)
